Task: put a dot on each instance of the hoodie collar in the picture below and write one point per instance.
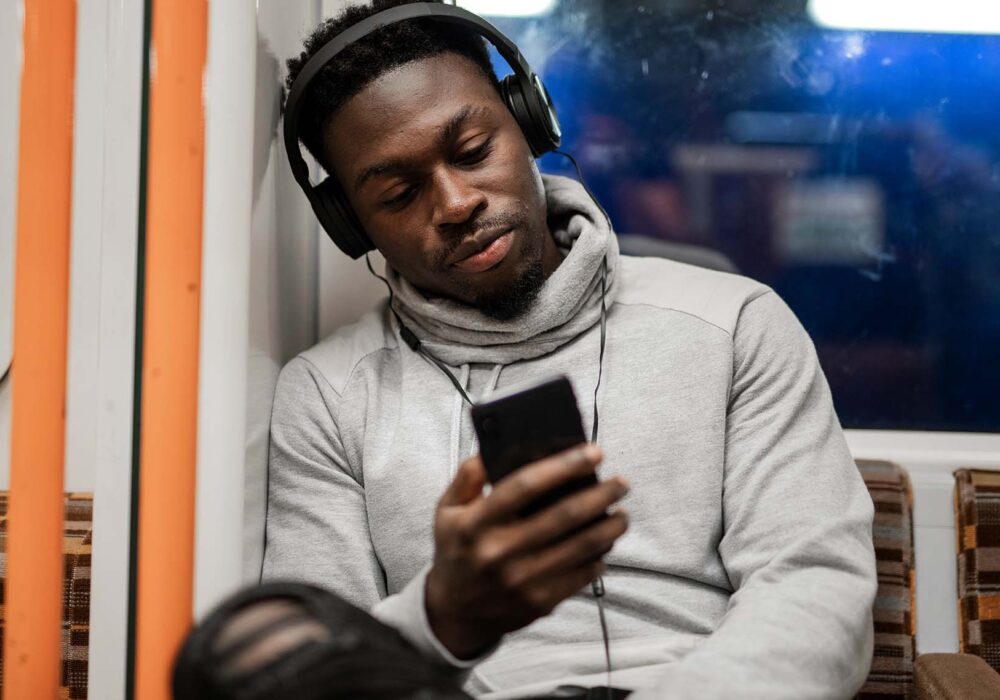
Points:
(568, 304)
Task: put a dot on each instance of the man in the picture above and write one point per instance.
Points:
(747, 567)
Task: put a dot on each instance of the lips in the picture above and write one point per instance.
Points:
(483, 252)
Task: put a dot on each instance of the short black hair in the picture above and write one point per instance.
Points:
(366, 60)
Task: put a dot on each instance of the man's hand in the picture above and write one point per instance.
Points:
(494, 572)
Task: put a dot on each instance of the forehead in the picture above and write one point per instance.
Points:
(405, 110)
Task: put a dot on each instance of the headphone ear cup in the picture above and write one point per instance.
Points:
(533, 110)
(338, 219)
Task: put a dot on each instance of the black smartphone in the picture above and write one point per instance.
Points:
(524, 424)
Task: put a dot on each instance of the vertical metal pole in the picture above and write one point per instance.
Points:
(168, 433)
(35, 525)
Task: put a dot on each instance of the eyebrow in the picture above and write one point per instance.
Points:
(448, 133)
(451, 129)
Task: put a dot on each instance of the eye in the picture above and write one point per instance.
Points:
(475, 155)
(402, 198)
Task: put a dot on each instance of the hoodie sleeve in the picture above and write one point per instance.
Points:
(317, 521)
(797, 543)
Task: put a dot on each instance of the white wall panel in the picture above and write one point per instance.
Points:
(85, 254)
(346, 288)
(283, 262)
(10, 101)
(118, 133)
(229, 129)
(301, 288)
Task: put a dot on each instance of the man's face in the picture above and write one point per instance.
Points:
(444, 183)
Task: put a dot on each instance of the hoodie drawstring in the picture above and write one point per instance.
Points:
(491, 386)
(456, 420)
(457, 413)
(494, 378)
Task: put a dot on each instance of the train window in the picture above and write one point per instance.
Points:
(846, 153)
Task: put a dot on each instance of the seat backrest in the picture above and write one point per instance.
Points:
(77, 533)
(977, 515)
(891, 674)
(700, 256)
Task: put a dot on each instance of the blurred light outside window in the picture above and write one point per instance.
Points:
(844, 153)
(953, 17)
(508, 8)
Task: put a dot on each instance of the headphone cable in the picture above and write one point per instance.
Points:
(411, 339)
(597, 585)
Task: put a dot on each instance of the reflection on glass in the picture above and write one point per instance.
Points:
(857, 172)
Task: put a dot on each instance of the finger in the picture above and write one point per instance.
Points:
(547, 594)
(566, 516)
(467, 484)
(581, 549)
(522, 487)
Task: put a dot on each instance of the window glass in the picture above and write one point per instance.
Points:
(849, 157)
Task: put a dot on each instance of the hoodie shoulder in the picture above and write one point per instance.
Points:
(714, 297)
(337, 355)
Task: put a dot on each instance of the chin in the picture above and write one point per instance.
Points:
(516, 295)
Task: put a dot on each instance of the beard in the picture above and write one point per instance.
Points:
(518, 297)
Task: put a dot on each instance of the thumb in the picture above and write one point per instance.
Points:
(467, 484)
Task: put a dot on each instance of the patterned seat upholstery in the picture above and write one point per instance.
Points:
(77, 534)
(891, 674)
(977, 512)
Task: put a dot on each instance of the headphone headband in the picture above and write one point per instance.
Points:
(523, 91)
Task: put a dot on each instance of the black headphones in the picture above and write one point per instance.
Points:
(523, 92)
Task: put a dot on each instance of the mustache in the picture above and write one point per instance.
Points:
(503, 220)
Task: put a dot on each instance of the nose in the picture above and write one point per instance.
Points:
(458, 199)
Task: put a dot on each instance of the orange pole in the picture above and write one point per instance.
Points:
(170, 341)
(41, 299)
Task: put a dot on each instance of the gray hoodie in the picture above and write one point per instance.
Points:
(748, 568)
